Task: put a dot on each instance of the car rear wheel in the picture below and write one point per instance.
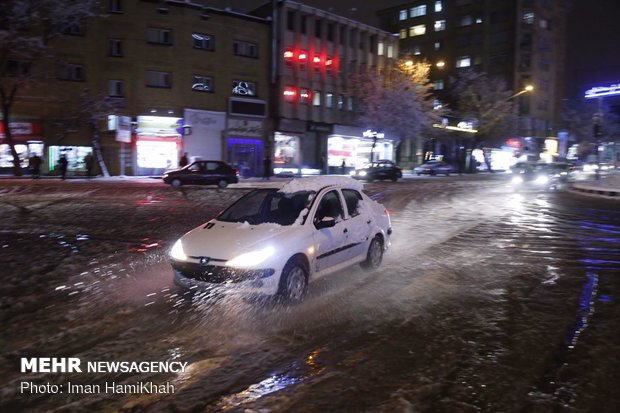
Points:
(176, 182)
(294, 281)
(374, 255)
(222, 183)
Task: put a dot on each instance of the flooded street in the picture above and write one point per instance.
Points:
(488, 300)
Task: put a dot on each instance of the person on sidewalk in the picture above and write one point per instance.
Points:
(62, 166)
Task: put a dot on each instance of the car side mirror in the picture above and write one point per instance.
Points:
(325, 222)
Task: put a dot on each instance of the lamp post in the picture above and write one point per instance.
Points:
(526, 89)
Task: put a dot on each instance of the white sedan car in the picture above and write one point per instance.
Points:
(275, 241)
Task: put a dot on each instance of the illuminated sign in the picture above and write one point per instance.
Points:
(159, 125)
(373, 134)
(601, 91)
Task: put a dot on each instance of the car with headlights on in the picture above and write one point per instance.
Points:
(203, 173)
(554, 175)
(434, 167)
(275, 241)
(379, 171)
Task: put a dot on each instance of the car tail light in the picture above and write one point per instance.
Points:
(236, 172)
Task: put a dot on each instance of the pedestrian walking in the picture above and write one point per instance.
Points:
(62, 166)
(89, 162)
(343, 166)
(34, 164)
(184, 160)
(267, 168)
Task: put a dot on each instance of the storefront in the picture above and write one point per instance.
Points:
(27, 137)
(75, 155)
(245, 135)
(355, 146)
(158, 144)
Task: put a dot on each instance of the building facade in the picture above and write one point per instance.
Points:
(316, 54)
(173, 76)
(520, 41)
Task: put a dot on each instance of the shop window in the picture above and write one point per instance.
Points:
(156, 35)
(158, 79)
(203, 41)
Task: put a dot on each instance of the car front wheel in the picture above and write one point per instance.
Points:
(294, 282)
(222, 183)
(176, 182)
(374, 255)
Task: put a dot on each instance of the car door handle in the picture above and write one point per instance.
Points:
(345, 230)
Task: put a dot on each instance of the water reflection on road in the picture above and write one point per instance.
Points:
(488, 300)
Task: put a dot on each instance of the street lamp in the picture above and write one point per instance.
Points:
(527, 89)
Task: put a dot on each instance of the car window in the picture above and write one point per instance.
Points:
(352, 198)
(330, 206)
(195, 167)
(212, 166)
(267, 206)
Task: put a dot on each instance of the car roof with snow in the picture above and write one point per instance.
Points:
(316, 183)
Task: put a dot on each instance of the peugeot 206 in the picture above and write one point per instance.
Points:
(275, 241)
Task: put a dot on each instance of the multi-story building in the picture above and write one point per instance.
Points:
(520, 41)
(316, 53)
(179, 76)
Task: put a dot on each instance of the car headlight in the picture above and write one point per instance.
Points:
(177, 251)
(541, 180)
(517, 180)
(352, 173)
(362, 173)
(251, 259)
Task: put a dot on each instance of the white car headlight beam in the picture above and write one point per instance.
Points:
(251, 259)
(177, 251)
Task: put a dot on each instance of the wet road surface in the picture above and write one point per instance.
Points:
(488, 300)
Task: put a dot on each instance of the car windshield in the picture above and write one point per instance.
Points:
(267, 206)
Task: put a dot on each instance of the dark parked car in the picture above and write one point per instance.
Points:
(378, 170)
(203, 173)
(434, 168)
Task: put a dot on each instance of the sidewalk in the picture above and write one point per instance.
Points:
(606, 187)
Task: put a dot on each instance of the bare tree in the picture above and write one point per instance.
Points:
(26, 29)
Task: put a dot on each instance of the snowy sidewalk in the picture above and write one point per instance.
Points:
(606, 187)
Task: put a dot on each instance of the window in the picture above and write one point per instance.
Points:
(418, 30)
(115, 88)
(203, 41)
(304, 22)
(380, 48)
(466, 20)
(438, 84)
(390, 51)
(290, 20)
(437, 45)
(340, 102)
(402, 15)
(74, 29)
(69, 71)
(330, 32)
(304, 96)
(352, 199)
(290, 93)
(317, 28)
(528, 17)
(330, 206)
(417, 11)
(115, 6)
(329, 100)
(302, 58)
(115, 47)
(246, 49)
(464, 61)
(202, 83)
(416, 50)
(544, 24)
(158, 79)
(438, 6)
(329, 66)
(350, 103)
(316, 98)
(403, 33)
(437, 104)
(440, 25)
(159, 36)
(17, 68)
(243, 87)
